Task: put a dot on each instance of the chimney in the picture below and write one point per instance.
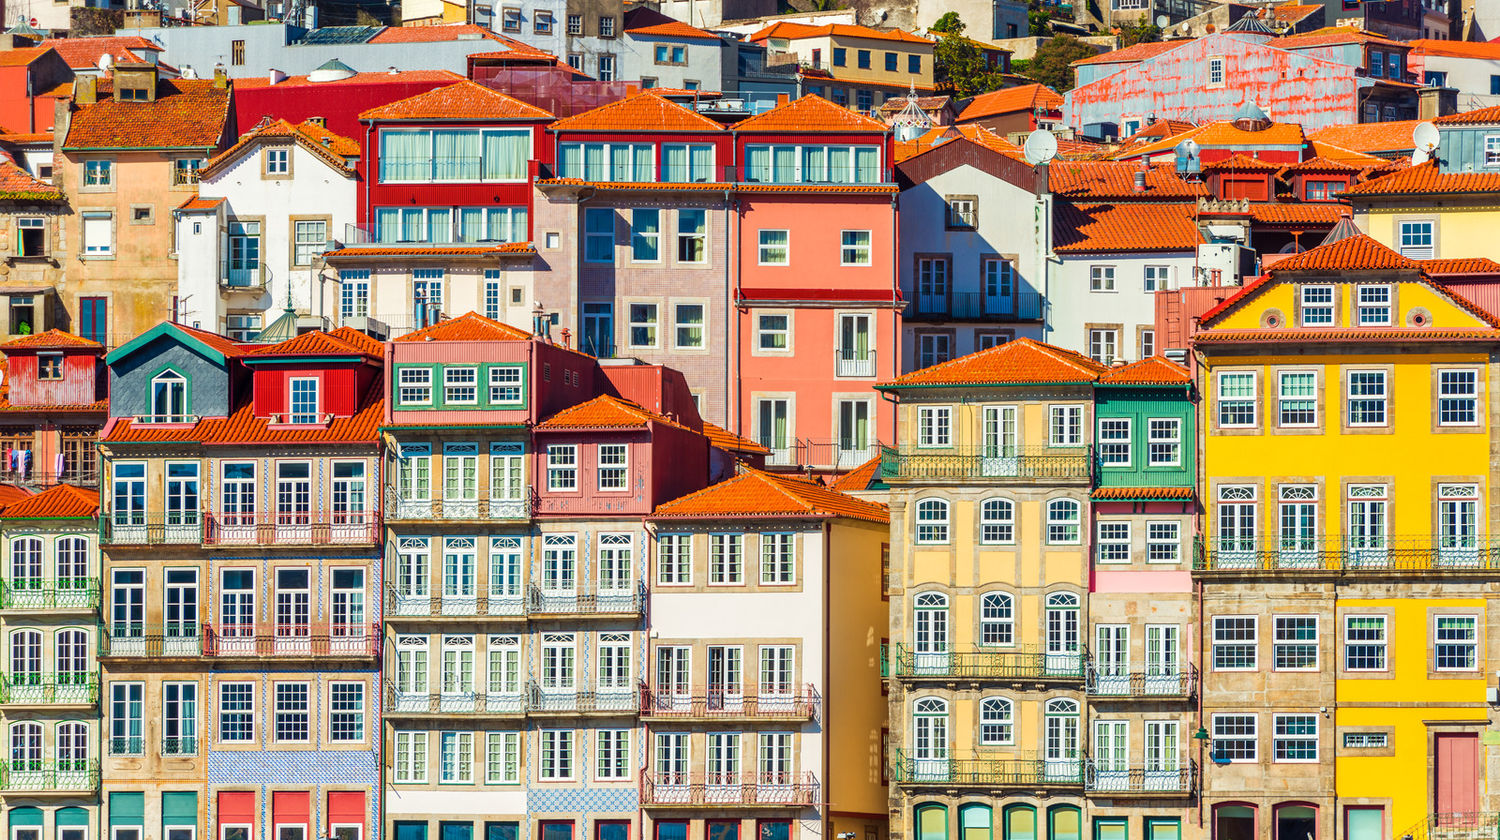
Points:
(85, 90)
(273, 77)
(317, 121)
(782, 99)
(221, 77)
(1140, 180)
(1434, 102)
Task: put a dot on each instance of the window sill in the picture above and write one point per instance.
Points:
(94, 257)
(18, 259)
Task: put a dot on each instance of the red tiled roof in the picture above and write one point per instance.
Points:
(1019, 362)
(16, 184)
(1330, 35)
(200, 203)
(64, 501)
(84, 53)
(1157, 370)
(1107, 179)
(1011, 100)
(1425, 179)
(1294, 13)
(359, 341)
(218, 342)
(935, 137)
(243, 427)
(1321, 149)
(926, 103)
(605, 412)
(646, 111)
(1456, 49)
(1321, 164)
(1229, 134)
(1312, 335)
(470, 326)
(310, 344)
(1478, 116)
(1369, 137)
(730, 442)
(1311, 213)
(11, 493)
(387, 78)
(51, 339)
(1461, 265)
(21, 56)
(858, 478)
(187, 113)
(1241, 163)
(1091, 228)
(333, 148)
(464, 100)
(1133, 53)
(673, 29)
(810, 115)
(433, 34)
(1143, 494)
(1352, 253)
(755, 494)
(792, 31)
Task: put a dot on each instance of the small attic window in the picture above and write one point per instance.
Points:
(49, 366)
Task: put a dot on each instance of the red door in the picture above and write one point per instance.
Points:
(1457, 774)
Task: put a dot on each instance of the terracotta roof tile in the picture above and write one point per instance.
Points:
(433, 34)
(359, 341)
(63, 501)
(809, 115)
(200, 203)
(242, 427)
(11, 493)
(1369, 137)
(731, 442)
(605, 412)
(1142, 494)
(1242, 163)
(1019, 362)
(16, 184)
(792, 31)
(1425, 179)
(1228, 134)
(1461, 265)
(1330, 35)
(1353, 253)
(673, 29)
(1478, 116)
(333, 148)
(21, 56)
(1157, 370)
(1090, 228)
(84, 53)
(1338, 154)
(859, 478)
(1486, 50)
(1010, 100)
(1107, 179)
(926, 103)
(1132, 54)
(646, 111)
(470, 326)
(465, 100)
(309, 344)
(755, 494)
(373, 78)
(218, 342)
(935, 137)
(1322, 164)
(187, 113)
(51, 339)
(1294, 13)
(1311, 213)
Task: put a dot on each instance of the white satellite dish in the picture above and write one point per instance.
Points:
(1424, 139)
(106, 61)
(1162, 21)
(1040, 147)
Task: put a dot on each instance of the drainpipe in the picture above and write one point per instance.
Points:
(368, 176)
(895, 294)
(729, 382)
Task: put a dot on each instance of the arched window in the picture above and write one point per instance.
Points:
(26, 563)
(932, 521)
(72, 656)
(1235, 822)
(26, 657)
(929, 734)
(995, 722)
(1295, 821)
(974, 822)
(996, 619)
(1062, 653)
(1062, 522)
(72, 747)
(72, 562)
(169, 397)
(932, 821)
(997, 522)
(931, 623)
(1060, 741)
(1064, 822)
(1020, 822)
(1062, 599)
(25, 746)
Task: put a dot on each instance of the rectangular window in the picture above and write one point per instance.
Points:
(1102, 278)
(1456, 643)
(278, 161)
(99, 173)
(1364, 643)
(1065, 425)
(674, 559)
(1234, 643)
(1367, 398)
(1163, 542)
(1295, 646)
(598, 235)
(1156, 277)
(346, 712)
(1216, 71)
(1104, 346)
(556, 754)
(1114, 442)
(236, 712)
(688, 323)
(291, 713)
(643, 320)
(411, 757)
(1114, 542)
(98, 234)
(303, 407)
(645, 235)
(777, 559)
(1295, 738)
(461, 385)
(502, 758)
(505, 385)
(1373, 306)
(1236, 400)
(961, 213)
(1297, 399)
(354, 293)
(455, 757)
(612, 754)
(692, 236)
(934, 426)
(562, 467)
(726, 558)
(312, 240)
(1317, 306)
(414, 386)
(33, 237)
(1164, 441)
(1366, 741)
(774, 247)
(1492, 141)
(613, 467)
(1458, 397)
(1234, 738)
(856, 247)
(773, 332)
(1416, 240)
(914, 64)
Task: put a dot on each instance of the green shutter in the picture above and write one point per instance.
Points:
(127, 809)
(72, 816)
(25, 816)
(411, 831)
(179, 808)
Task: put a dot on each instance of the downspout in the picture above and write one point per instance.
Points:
(367, 163)
(895, 293)
(733, 350)
(827, 675)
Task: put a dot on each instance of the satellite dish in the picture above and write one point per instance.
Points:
(1162, 21)
(105, 62)
(1040, 147)
(1424, 139)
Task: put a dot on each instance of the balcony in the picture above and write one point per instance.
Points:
(247, 278)
(850, 363)
(44, 777)
(173, 747)
(1020, 463)
(458, 510)
(1150, 684)
(313, 640)
(972, 662)
(1269, 555)
(580, 700)
(292, 528)
(66, 689)
(729, 790)
(1130, 782)
(606, 603)
(122, 528)
(824, 455)
(400, 604)
(973, 306)
(129, 640)
(400, 703)
(83, 477)
(978, 771)
(132, 745)
(713, 705)
(59, 594)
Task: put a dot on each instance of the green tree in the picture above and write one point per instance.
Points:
(949, 22)
(957, 65)
(1052, 63)
(1142, 31)
(1038, 20)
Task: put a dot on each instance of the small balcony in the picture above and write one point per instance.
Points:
(1105, 683)
(974, 662)
(57, 594)
(248, 278)
(179, 746)
(38, 778)
(797, 703)
(853, 363)
(1298, 555)
(976, 770)
(296, 528)
(138, 528)
(823, 455)
(603, 603)
(399, 605)
(1121, 782)
(436, 704)
(1013, 463)
(312, 640)
(580, 700)
(458, 510)
(729, 790)
(77, 688)
(131, 640)
(974, 306)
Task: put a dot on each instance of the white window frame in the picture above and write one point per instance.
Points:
(1278, 644)
(1216, 642)
(1383, 644)
(1278, 738)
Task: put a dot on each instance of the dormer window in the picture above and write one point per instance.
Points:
(278, 161)
(169, 397)
(1317, 306)
(49, 366)
(461, 385)
(304, 400)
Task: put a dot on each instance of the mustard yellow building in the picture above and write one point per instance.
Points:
(854, 66)
(1345, 556)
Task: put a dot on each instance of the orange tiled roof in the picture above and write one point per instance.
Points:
(673, 29)
(63, 501)
(646, 111)
(1010, 100)
(200, 203)
(605, 412)
(1461, 265)
(333, 148)
(16, 184)
(1147, 226)
(1242, 163)
(387, 77)
(470, 326)
(218, 342)
(1456, 49)
(1228, 134)
(1478, 116)
(934, 137)
(809, 115)
(1352, 253)
(359, 341)
(310, 344)
(1425, 179)
(84, 53)
(1292, 213)
(1322, 164)
(1315, 335)
(1338, 154)
(755, 494)
(792, 31)
(243, 427)
(21, 56)
(1157, 370)
(1143, 494)
(729, 441)
(858, 478)
(433, 34)
(1107, 179)
(187, 113)
(1369, 137)
(11, 493)
(1293, 13)
(464, 100)
(1019, 362)
(1133, 53)
(53, 338)
(1330, 35)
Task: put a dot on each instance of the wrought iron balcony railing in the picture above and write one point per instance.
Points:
(1151, 683)
(581, 699)
(117, 528)
(993, 463)
(979, 770)
(308, 527)
(399, 604)
(729, 790)
(987, 663)
(403, 703)
(399, 507)
(68, 688)
(317, 639)
(80, 593)
(131, 640)
(1122, 781)
(603, 602)
(1462, 825)
(1374, 555)
(974, 306)
(792, 703)
(183, 745)
(42, 777)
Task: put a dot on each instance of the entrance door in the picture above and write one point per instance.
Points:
(1000, 441)
(93, 319)
(1457, 784)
